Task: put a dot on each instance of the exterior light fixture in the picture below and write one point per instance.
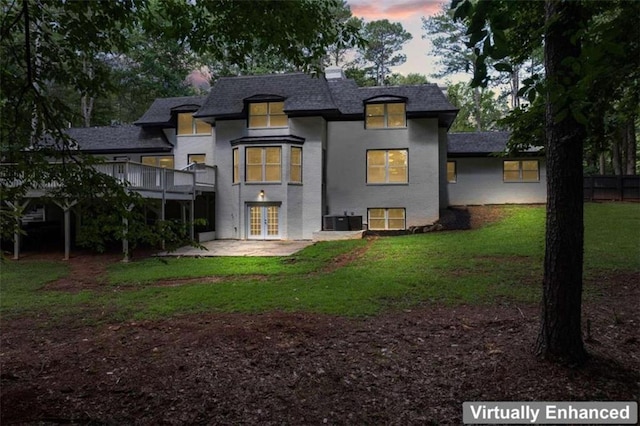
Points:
(261, 193)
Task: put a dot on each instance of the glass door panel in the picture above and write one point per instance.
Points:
(263, 222)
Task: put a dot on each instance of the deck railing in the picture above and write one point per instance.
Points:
(142, 177)
(205, 175)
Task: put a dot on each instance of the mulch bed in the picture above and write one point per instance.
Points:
(414, 366)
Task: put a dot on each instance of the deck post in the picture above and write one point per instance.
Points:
(16, 242)
(67, 233)
(66, 206)
(192, 220)
(125, 240)
(17, 209)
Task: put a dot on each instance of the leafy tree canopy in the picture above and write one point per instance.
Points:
(592, 58)
(384, 40)
(493, 109)
(404, 80)
(48, 48)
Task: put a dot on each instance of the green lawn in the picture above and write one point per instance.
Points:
(502, 261)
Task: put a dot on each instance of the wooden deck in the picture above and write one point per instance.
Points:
(151, 181)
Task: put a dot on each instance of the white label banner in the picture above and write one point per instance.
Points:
(564, 412)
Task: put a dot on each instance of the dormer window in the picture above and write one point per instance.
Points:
(267, 114)
(187, 125)
(385, 115)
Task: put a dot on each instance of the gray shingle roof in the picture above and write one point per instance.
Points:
(421, 98)
(477, 143)
(268, 139)
(302, 93)
(305, 94)
(123, 139)
(159, 113)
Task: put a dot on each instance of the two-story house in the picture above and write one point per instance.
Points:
(291, 149)
(286, 153)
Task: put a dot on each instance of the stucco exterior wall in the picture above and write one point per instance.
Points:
(300, 205)
(347, 187)
(184, 145)
(480, 181)
(442, 185)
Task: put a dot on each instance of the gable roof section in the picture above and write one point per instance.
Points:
(476, 144)
(302, 93)
(160, 111)
(116, 139)
(424, 100)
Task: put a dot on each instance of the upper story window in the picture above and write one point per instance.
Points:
(263, 164)
(388, 166)
(267, 114)
(521, 171)
(388, 115)
(187, 125)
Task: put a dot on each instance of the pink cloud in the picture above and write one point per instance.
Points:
(397, 10)
(199, 78)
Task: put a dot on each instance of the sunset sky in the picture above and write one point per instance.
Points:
(408, 13)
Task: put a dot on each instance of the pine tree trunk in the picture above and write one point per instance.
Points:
(477, 108)
(560, 336)
(86, 107)
(632, 144)
(616, 157)
(515, 86)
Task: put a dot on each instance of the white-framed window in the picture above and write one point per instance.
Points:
(267, 114)
(386, 219)
(521, 171)
(387, 166)
(236, 165)
(452, 172)
(164, 161)
(263, 164)
(187, 125)
(295, 165)
(385, 116)
(196, 158)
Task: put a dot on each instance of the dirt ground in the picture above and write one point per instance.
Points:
(402, 367)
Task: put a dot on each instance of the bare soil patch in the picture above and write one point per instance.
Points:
(411, 367)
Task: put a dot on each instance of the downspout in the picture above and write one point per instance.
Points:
(215, 201)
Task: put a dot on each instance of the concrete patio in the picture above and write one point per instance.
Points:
(261, 247)
(242, 248)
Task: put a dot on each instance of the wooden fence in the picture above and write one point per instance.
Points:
(612, 188)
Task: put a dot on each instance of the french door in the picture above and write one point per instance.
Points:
(263, 222)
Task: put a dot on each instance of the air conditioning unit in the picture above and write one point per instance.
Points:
(336, 223)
